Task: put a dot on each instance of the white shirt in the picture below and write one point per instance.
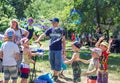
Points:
(9, 49)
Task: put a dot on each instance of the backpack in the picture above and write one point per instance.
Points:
(45, 78)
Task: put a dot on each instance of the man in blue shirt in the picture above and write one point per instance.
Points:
(57, 46)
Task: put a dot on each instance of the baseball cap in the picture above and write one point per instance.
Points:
(9, 32)
(104, 43)
(77, 44)
(55, 20)
(97, 50)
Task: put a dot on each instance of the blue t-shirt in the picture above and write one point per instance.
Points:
(55, 38)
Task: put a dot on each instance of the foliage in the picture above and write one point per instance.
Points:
(4, 23)
(93, 12)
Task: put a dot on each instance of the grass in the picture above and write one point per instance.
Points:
(42, 66)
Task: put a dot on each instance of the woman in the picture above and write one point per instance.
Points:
(19, 34)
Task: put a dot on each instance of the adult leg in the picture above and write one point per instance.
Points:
(58, 62)
(55, 61)
(52, 58)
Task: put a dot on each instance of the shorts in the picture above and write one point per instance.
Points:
(64, 66)
(77, 75)
(10, 71)
(91, 79)
(76, 71)
(55, 60)
(24, 70)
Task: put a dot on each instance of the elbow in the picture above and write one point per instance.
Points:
(27, 34)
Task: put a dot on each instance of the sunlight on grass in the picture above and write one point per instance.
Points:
(43, 65)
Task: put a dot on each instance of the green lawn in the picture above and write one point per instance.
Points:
(43, 66)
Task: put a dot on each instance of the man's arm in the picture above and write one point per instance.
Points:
(40, 37)
(64, 45)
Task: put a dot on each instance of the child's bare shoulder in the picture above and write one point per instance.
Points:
(76, 54)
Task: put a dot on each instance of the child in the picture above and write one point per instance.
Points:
(27, 54)
(75, 64)
(103, 69)
(93, 65)
(10, 54)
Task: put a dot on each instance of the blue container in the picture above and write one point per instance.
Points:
(40, 81)
(40, 50)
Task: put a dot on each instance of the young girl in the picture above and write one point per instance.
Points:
(103, 69)
(93, 65)
(27, 54)
(75, 64)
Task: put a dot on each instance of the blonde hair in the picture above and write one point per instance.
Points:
(15, 20)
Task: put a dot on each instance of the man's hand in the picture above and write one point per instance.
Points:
(63, 52)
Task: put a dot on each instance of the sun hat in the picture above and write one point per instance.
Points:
(97, 50)
(104, 43)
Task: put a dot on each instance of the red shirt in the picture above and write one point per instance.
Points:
(105, 54)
